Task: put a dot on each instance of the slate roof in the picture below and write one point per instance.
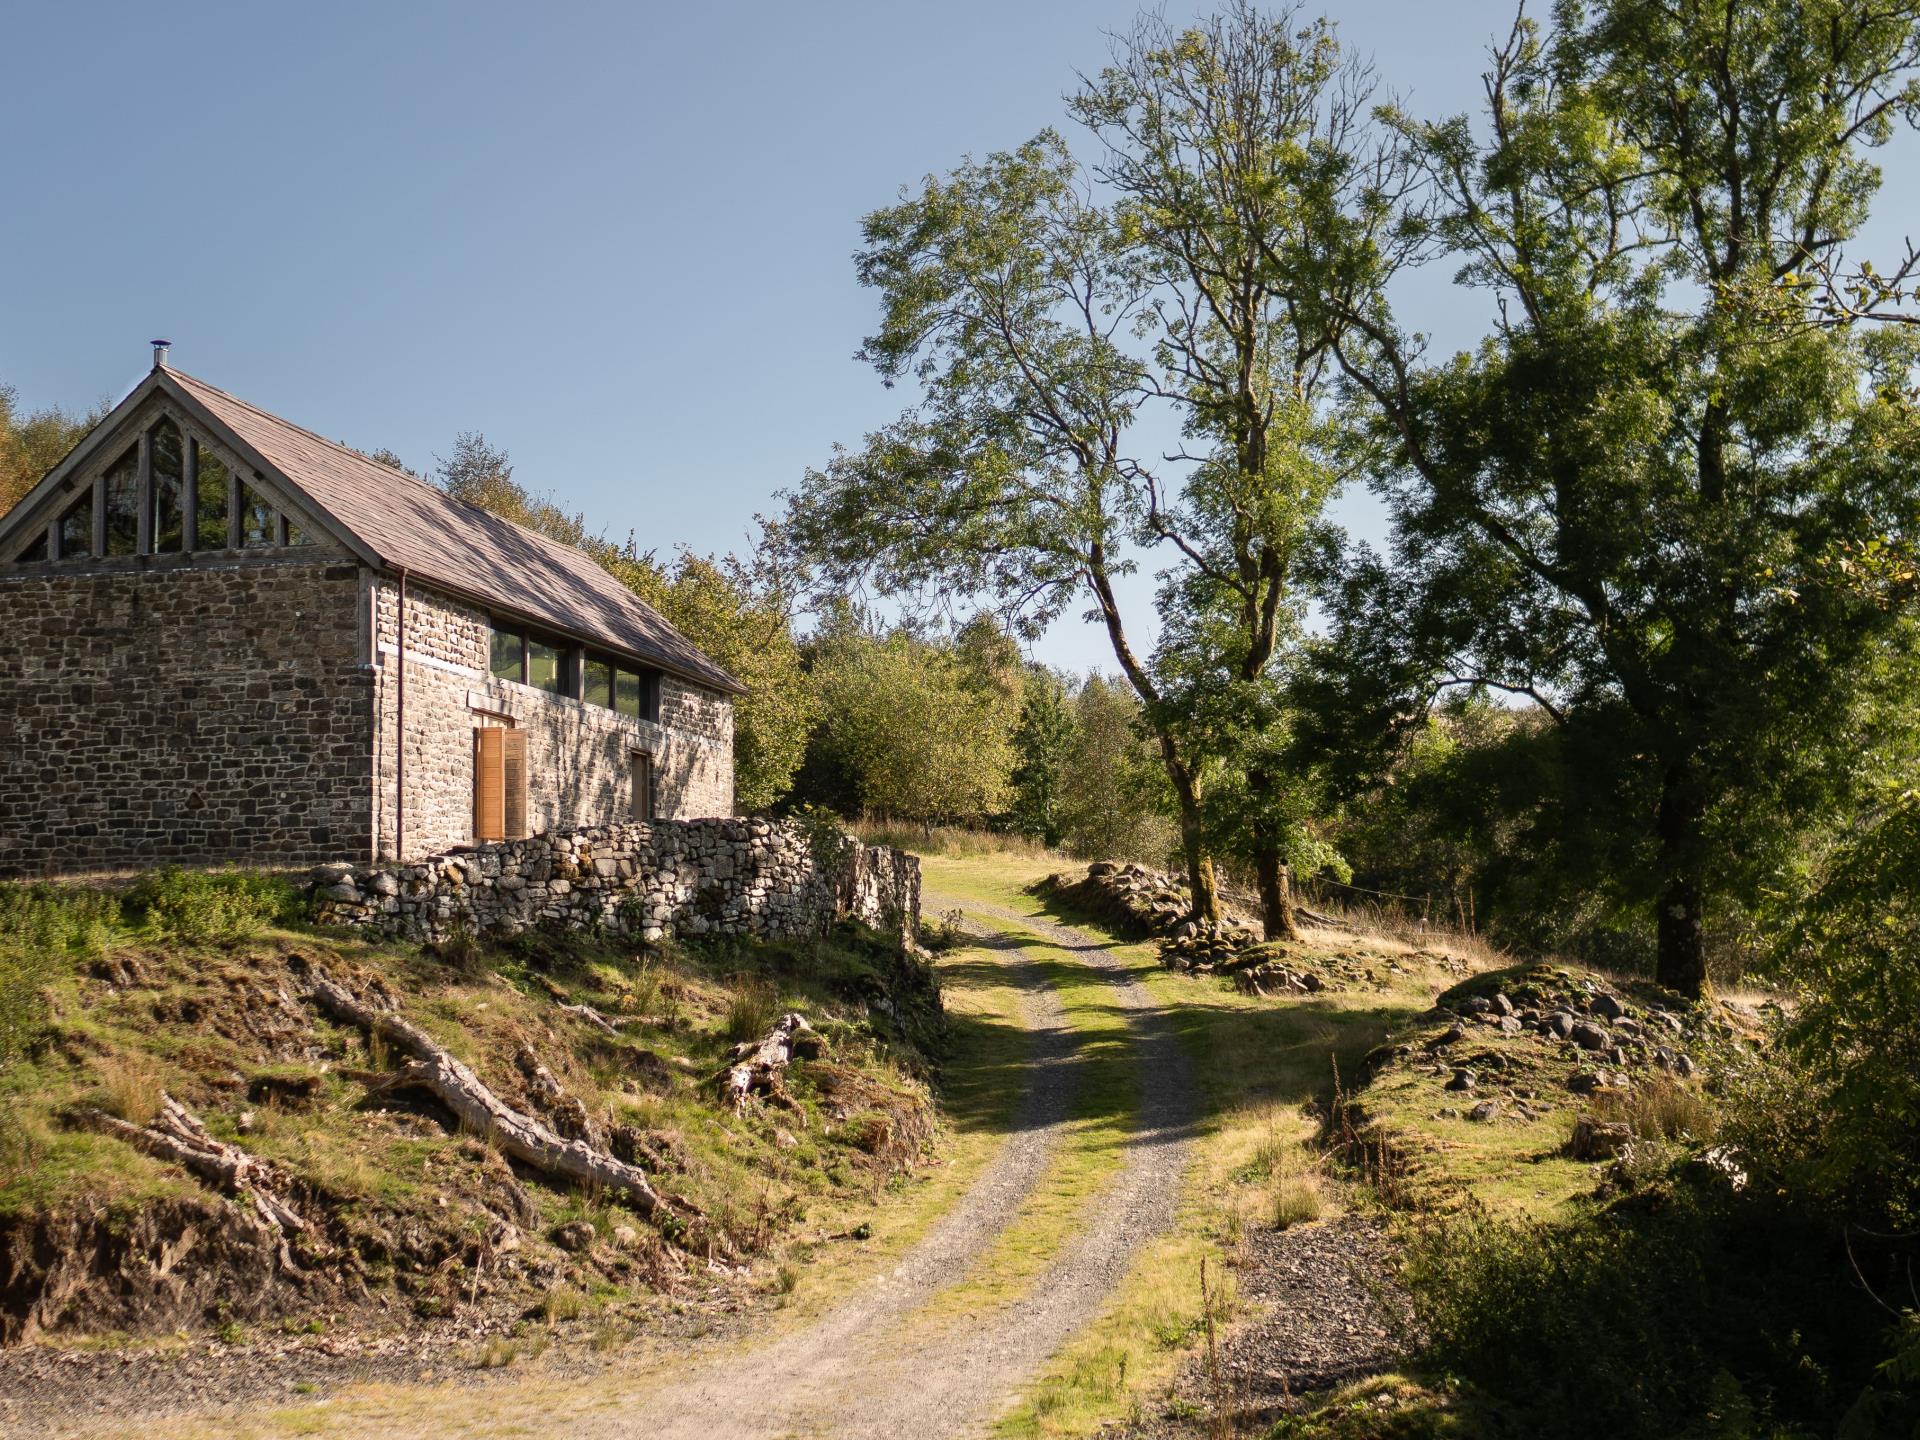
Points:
(407, 523)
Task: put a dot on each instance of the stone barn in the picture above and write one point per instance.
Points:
(230, 639)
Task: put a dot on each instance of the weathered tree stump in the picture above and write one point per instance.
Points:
(757, 1064)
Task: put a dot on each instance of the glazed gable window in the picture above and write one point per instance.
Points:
(168, 493)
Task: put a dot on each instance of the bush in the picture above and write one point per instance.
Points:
(1674, 1313)
(1854, 1038)
(58, 919)
(197, 907)
(44, 931)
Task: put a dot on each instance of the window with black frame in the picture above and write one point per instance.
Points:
(623, 687)
(516, 654)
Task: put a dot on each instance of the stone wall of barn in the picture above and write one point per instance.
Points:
(692, 878)
(176, 708)
(580, 768)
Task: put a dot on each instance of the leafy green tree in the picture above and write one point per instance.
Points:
(33, 443)
(1636, 499)
(384, 456)
(481, 475)
(1228, 142)
(1042, 742)
(1115, 801)
(739, 615)
(1854, 961)
(1042, 306)
(912, 728)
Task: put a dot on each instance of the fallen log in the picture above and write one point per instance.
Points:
(757, 1064)
(522, 1137)
(175, 1133)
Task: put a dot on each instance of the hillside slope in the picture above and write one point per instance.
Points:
(398, 1214)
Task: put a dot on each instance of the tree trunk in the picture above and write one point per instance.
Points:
(1277, 916)
(1269, 863)
(1200, 879)
(1680, 962)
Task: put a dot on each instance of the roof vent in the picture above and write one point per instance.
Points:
(160, 352)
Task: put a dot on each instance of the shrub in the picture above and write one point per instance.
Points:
(1661, 1316)
(58, 919)
(198, 907)
(1853, 1042)
(45, 930)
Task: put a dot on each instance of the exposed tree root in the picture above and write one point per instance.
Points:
(566, 1112)
(585, 1013)
(175, 1133)
(520, 1136)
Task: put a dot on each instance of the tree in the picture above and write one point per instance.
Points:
(1853, 958)
(1634, 501)
(1040, 319)
(1229, 144)
(1042, 741)
(739, 615)
(912, 727)
(483, 476)
(1115, 802)
(384, 456)
(32, 444)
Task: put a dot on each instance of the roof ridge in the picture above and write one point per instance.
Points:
(438, 491)
(423, 529)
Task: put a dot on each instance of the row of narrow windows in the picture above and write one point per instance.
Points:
(563, 669)
(189, 500)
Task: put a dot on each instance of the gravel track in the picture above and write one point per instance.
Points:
(861, 1372)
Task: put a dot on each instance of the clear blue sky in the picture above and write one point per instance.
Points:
(615, 238)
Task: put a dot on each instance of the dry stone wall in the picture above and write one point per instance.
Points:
(672, 878)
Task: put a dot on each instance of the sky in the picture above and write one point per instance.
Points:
(616, 239)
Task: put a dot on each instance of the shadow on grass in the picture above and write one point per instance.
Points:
(1281, 1054)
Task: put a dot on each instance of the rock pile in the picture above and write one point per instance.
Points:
(1601, 1036)
(769, 878)
(1593, 1026)
(1143, 903)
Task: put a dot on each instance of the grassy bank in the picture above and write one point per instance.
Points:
(194, 988)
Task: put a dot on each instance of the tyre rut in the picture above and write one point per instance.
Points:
(866, 1370)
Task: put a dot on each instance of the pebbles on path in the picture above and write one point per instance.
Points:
(867, 1369)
